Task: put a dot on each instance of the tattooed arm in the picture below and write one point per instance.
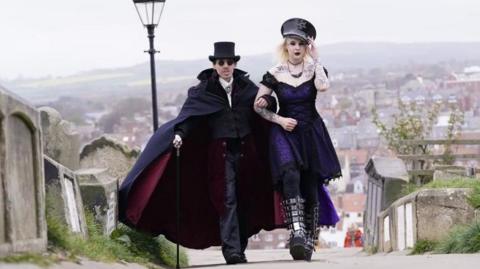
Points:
(314, 68)
(321, 77)
(321, 80)
(260, 106)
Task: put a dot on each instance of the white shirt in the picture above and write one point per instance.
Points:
(227, 86)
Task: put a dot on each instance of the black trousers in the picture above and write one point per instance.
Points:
(232, 223)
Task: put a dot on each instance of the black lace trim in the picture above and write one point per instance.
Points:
(270, 81)
(327, 181)
(272, 102)
(293, 166)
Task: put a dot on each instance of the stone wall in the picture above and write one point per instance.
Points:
(22, 189)
(60, 141)
(106, 152)
(64, 200)
(100, 196)
(423, 215)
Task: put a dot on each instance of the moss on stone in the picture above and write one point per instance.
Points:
(105, 141)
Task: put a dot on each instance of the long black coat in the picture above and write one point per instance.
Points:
(147, 196)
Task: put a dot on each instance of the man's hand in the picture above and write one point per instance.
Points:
(261, 103)
(177, 141)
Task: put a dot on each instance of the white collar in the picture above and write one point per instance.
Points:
(225, 83)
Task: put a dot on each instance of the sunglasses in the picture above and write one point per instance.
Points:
(223, 62)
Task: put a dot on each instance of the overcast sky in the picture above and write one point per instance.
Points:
(59, 37)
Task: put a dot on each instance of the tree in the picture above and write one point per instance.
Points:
(415, 122)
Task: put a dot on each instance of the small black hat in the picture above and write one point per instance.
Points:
(299, 28)
(224, 50)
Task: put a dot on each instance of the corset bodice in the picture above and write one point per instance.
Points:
(298, 102)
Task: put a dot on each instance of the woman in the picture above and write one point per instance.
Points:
(302, 156)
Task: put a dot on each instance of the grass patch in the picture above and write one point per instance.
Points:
(474, 197)
(408, 188)
(371, 250)
(124, 245)
(461, 239)
(43, 260)
(168, 253)
(423, 246)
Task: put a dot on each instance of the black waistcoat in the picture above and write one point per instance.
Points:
(234, 121)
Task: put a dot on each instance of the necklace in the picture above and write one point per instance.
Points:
(294, 75)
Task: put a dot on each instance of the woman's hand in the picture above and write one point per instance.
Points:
(312, 49)
(261, 103)
(288, 124)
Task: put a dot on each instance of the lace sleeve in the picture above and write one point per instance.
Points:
(321, 77)
(269, 81)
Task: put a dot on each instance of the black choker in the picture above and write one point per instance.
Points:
(296, 75)
(293, 63)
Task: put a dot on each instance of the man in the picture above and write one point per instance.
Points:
(226, 191)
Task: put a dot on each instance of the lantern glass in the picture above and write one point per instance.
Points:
(149, 11)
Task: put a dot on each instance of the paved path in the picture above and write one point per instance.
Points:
(336, 259)
(70, 265)
(280, 259)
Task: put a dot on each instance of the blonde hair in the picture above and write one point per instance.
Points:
(282, 52)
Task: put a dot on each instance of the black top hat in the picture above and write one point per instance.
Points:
(224, 50)
(299, 28)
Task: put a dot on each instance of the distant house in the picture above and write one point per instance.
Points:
(355, 186)
(417, 83)
(343, 118)
(469, 79)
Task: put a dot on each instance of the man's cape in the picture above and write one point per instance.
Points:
(147, 197)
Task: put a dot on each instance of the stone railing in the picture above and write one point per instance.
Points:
(423, 215)
(420, 164)
(386, 176)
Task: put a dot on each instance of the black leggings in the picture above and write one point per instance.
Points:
(303, 184)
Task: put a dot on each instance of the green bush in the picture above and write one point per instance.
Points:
(461, 239)
(474, 197)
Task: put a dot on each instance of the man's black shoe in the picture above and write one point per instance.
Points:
(244, 259)
(235, 258)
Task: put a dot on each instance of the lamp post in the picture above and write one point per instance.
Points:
(150, 12)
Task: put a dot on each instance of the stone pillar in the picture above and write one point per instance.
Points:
(386, 178)
(22, 188)
(106, 152)
(99, 193)
(60, 141)
(64, 200)
(438, 210)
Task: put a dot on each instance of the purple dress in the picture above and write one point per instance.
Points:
(308, 148)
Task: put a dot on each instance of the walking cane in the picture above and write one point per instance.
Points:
(178, 207)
